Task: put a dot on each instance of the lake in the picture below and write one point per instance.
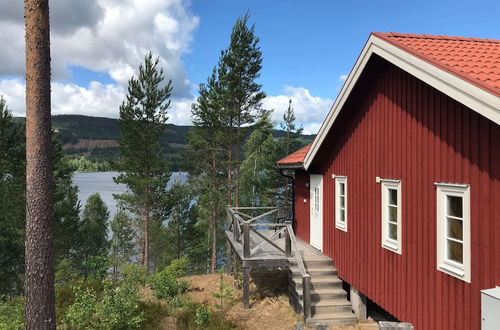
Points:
(102, 183)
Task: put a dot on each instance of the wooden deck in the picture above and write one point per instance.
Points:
(268, 255)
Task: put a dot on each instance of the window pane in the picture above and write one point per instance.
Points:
(342, 215)
(455, 206)
(393, 196)
(342, 188)
(455, 228)
(342, 201)
(393, 231)
(455, 251)
(393, 213)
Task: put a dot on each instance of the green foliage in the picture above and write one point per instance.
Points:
(225, 291)
(12, 204)
(135, 274)
(84, 164)
(143, 166)
(259, 176)
(122, 243)
(202, 315)
(166, 283)
(116, 308)
(91, 258)
(12, 314)
(192, 314)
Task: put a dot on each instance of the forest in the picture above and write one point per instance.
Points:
(102, 266)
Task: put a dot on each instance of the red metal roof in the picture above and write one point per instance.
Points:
(295, 158)
(472, 59)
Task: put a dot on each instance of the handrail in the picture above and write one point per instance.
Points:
(291, 245)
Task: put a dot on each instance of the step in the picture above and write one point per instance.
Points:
(317, 282)
(330, 306)
(312, 263)
(340, 318)
(319, 294)
(326, 270)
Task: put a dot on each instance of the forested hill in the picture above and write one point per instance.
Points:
(96, 137)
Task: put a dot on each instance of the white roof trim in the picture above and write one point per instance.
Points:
(472, 96)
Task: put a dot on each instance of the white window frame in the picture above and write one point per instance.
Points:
(339, 224)
(459, 270)
(387, 242)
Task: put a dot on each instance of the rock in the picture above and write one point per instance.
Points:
(299, 326)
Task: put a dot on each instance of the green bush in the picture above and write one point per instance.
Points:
(12, 314)
(192, 315)
(166, 283)
(116, 308)
(133, 273)
(202, 315)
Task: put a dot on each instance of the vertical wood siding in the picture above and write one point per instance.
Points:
(301, 207)
(395, 126)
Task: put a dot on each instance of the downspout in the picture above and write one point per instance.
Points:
(293, 195)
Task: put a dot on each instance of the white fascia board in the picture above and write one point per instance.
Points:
(472, 96)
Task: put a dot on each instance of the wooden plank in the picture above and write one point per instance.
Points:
(262, 215)
(267, 240)
(246, 287)
(246, 240)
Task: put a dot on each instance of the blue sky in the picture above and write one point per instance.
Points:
(308, 46)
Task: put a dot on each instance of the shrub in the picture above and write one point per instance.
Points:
(193, 314)
(202, 315)
(166, 283)
(135, 274)
(116, 308)
(12, 314)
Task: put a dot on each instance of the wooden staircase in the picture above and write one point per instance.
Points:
(329, 304)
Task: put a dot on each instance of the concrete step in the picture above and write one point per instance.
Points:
(328, 281)
(337, 318)
(312, 263)
(319, 294)
(330, 306)
(320, 271)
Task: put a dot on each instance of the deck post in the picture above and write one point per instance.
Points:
(229, 267)
(246, 240)
(306, 295)
(246, 287)
(288, 242)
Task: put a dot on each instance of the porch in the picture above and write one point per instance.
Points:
(263, 237)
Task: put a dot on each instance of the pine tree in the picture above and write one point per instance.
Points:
(12, 205)
(94, 230)
(206, 153)
(239, 68)
(259, 177)
(122, 243)
(143, 167)
(39, 276)
(290, 142)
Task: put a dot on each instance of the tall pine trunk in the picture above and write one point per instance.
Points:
(213, 264)
(237, 174)
(39, 280)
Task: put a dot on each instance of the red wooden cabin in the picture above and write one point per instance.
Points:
(401, 187)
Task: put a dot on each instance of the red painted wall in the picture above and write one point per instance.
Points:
(301, 207)
(396, 126)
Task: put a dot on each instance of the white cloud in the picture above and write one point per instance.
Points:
(310, 110)
(343, 77)
(106, 35)
(96, 100)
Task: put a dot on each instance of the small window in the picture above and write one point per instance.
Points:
(391, 215)
(341, 202)
(453, 230)
(316, 199)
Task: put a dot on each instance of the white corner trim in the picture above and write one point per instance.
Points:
(472, 96)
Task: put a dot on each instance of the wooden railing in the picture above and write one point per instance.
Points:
(269, 218)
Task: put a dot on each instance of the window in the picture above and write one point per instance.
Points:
(453, 230)
(316, 199)
(391, 215)
(341, 202)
